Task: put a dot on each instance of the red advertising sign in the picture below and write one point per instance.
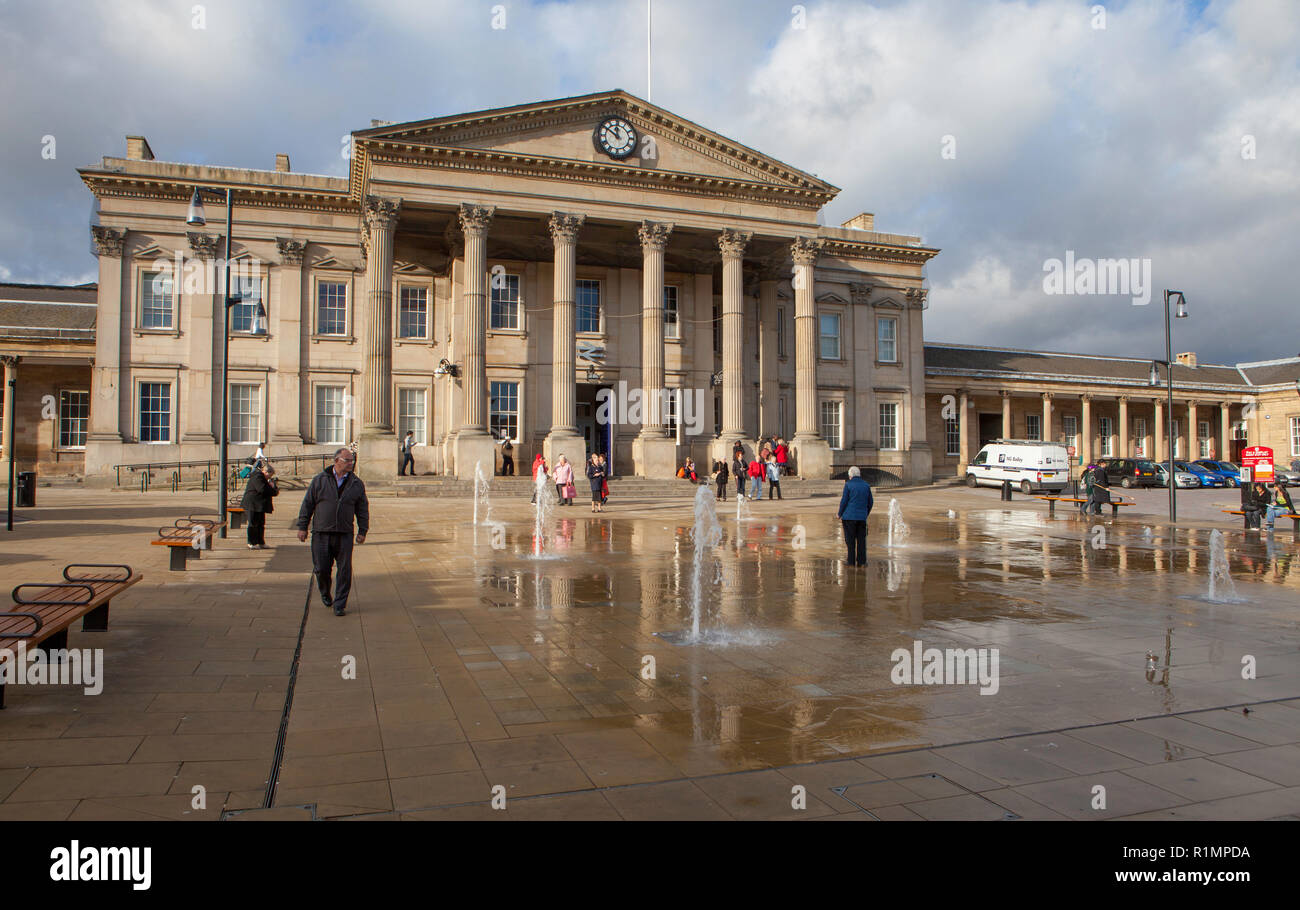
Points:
(1260, 461)
(1070, 451)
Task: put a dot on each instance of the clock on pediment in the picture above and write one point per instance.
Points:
(615, 137)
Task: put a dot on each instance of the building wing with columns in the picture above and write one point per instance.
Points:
(509, 273)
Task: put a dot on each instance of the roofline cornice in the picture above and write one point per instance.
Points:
(1075, 378)
(108, 184)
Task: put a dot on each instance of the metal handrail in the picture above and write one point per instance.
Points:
(209, 465)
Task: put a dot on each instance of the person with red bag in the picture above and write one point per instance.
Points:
(563, 477)
(604, 480)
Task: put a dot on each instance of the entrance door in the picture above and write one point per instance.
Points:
(990, 428)
(598, 434)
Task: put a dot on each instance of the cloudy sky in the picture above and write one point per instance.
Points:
(1005, 133)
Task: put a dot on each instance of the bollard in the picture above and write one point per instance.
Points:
(176, 480)
(204, 482)
(1006, 491)
(144, 481)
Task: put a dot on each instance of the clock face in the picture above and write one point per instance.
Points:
(615, 137)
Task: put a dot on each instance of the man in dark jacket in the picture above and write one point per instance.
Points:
(257, 502)
(855, 505)
(1100, 490)
(333, 498)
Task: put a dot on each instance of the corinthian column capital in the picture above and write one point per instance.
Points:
(379, 211)
(733, 243)
(654, 236)
(565, 226)
(108, 241)
(805, 250)
(476, 219)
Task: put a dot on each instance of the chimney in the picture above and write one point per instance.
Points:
(864, 222)
(137, 148)
(282, 163)
(1188, 359)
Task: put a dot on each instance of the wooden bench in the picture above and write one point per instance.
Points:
(49, 609)
(181, 537)
(235, 515)
(1295, 520)
(1053, 500)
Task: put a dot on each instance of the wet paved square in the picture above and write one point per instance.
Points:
(565, 676)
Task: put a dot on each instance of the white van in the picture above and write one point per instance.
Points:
(1028, 464)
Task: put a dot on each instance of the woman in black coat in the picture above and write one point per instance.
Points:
(257, 503)
(596, 474)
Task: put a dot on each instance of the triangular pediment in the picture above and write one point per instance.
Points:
(562, 131)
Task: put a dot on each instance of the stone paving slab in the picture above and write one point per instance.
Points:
(476, 670)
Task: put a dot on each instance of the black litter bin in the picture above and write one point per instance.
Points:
(25, 489)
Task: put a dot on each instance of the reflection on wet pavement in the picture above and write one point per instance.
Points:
(795, 661)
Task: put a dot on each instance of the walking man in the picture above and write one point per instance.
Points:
(333, 498)
(855, 505)
(407, 458)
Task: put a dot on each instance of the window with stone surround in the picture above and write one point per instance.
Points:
(410, 414)
(245, 414)
(888, 412)
(157, 300)
(587, 306)
(244, 315)
(671, 327)
(412, 312)
(331, 308)
(331, 422)
(829, 332)
(1104, 432)
(832, 423)
(887, 339)
(505, 303)
(952, 435)
(503, 410)
(1295, 437)
(155, 412)
(74, 416)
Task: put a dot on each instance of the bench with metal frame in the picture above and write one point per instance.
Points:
(180, 539)
(1053, 500)
(50, 608)
(1245, 520)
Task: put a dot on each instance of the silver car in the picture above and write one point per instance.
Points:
(1182, 478)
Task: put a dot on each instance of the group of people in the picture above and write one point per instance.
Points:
(1260, 503)
(596, 469)
(772, 461)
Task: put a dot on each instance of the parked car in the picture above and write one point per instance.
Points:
(1205, 477)
(1129, 472)
(1226, 470)
(1291, 475)
(1028, 465)
(1183, 479)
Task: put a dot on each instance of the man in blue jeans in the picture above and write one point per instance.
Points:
(855, 506)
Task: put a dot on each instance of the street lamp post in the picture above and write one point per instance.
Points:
(196, 218)
(1180, 313)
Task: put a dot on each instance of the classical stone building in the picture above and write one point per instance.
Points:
(506, 273)
(1105, 405)
(47, 343)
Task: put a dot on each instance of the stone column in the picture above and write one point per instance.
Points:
(812, 453)
(380, 216)
(110, 372)
(1193, 443)
(963, 432)
(198, 314)
(473, 444)
(1085, 431)
(1225, 430)
(653, 453)
(732, 245)
(563, 438)
(1123, 427)
(1047, 417)
(286, 415)
(6, 437)
(768, 367)
(1008, 431)
(1159, 453)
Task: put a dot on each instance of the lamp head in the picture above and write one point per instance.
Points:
(1180, 303)
(195, 216)
(1154, 378)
